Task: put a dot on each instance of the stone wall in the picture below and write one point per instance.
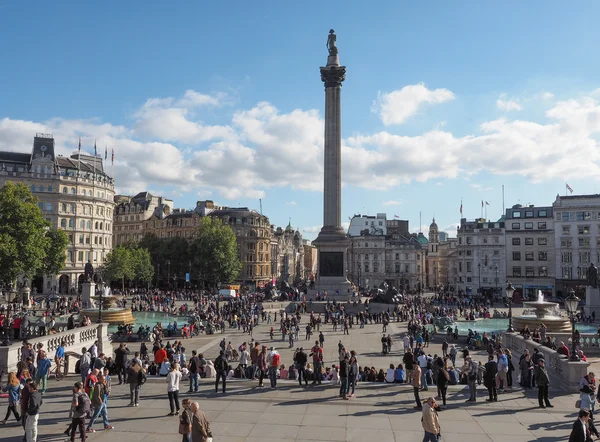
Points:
(564, 374)
(74, 340)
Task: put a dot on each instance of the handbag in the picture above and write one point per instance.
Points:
(184, 429)
(578, 403)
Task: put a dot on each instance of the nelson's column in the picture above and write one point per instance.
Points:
(332, 242)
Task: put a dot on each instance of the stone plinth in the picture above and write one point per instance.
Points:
(88, 289)
(592, 301)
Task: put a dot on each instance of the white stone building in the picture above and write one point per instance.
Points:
(530, 250)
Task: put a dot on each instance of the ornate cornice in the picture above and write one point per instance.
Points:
(333, 76)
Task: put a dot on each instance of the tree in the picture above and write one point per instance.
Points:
(55, 254)
(118, 266)
(24, 242)
(215, 252)
(142, 265)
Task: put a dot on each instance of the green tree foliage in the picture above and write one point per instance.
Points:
(24, 242)
(215, 253)
(55, 257)
(118, 266)
(142, 265)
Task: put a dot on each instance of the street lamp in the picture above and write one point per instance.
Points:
(572, 303)
(479, 270)
(168, 274)
(510, 291)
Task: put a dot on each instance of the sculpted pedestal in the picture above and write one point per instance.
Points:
(592, 301)
(88, 289)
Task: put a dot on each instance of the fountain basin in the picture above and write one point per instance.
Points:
(554, 324)
(114, 316)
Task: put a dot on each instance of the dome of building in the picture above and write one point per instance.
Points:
(433, 225)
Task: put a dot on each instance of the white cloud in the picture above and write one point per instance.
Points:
(508, 105)
(480, 187)
(291, 203)
(397, 106)
(392, 203)
(546, 96)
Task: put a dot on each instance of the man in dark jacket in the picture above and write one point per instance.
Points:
(34, 404)
(301, 359)
(489, 380)
(221, 369)
(121, 362)
(344, 377)
(543, 382)
(580, 430)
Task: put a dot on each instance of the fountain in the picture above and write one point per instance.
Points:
(110, 314)
(540, 311)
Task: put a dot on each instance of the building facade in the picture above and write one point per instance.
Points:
(481, 257)
(576, 240)
(76, 195)
(132, 211)
(287, 252)
(530, 251)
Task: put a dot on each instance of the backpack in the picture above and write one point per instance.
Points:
(84, 405)
(78, 366)
(142, 378)
(219, 364)
(193, 366)
(275, 360)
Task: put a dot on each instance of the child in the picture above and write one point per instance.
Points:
(283, 372)
(335, 376)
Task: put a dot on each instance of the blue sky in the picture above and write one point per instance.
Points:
(224, 100)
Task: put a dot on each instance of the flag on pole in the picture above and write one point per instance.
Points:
(396, 216)
(461, 207)
(79, 144)
(95, 150)
(105, 152)
(487, 204)
(569, 187)
(113, 156)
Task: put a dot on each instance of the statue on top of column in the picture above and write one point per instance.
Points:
(333, 50)
(593, 276)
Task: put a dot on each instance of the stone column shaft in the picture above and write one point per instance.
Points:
(332, 204)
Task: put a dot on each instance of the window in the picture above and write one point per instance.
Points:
(565, 216)
(496, 239)
(529, 272)
(469, 266)
(48, 207)
(528, 241)
(469, 240)
(541, 225)
(516, 214)
(375, 267)
(542, 241)
(584, 257)
(542, 213)
(516, 271)
(566, 230)
(543, 271)
(528, 256)
(366, 267)
(584, 242)
(65, 190)
(82, 224)
(567, 273)
(80, 239)
(529, 214)
(496, 252)
(88, 225)
(529, 225)
(469, 279)
(397, 268)
(469, 252)
(516, 241)
(72, 207)
(49, 188)
(64, 206)
(565, 243)
(485, 240)
(516, 256)
(63, 223)
(542, 256)
(73, 191)
(460, 266)
(71, 224)
(516, 226)
(397, 255)
(583, 230)
(87, 239)
(80, 256)
(566, 257)
(33, 188)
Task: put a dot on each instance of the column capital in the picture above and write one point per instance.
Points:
(333, 76)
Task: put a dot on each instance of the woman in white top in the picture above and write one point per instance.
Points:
(173, 379)
(390, 376)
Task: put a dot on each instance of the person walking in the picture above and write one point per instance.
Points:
(274, 359)
(352, 373)
(185, 421)
(173, 379)
(81, 407)
(221, 370)
(580, 431)
(12, 387)
(84, 364)
(415, 380)
(99, 404)
(489, 379)
(317, 355)
(200, 426)
(34, 403)
(443, 377)
(471, 369)
(300, 358)
(136, 378)
(343, 373)
(430, 421)
(543, 382)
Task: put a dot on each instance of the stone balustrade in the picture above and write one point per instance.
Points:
(74, 340)
(564, 374)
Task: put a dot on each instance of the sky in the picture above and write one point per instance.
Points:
(443, 101)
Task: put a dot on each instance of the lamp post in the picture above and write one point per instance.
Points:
(510, 291)
(571, 304)
(479, 271)
(100, 308)
(496, 281)
(168, 274)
